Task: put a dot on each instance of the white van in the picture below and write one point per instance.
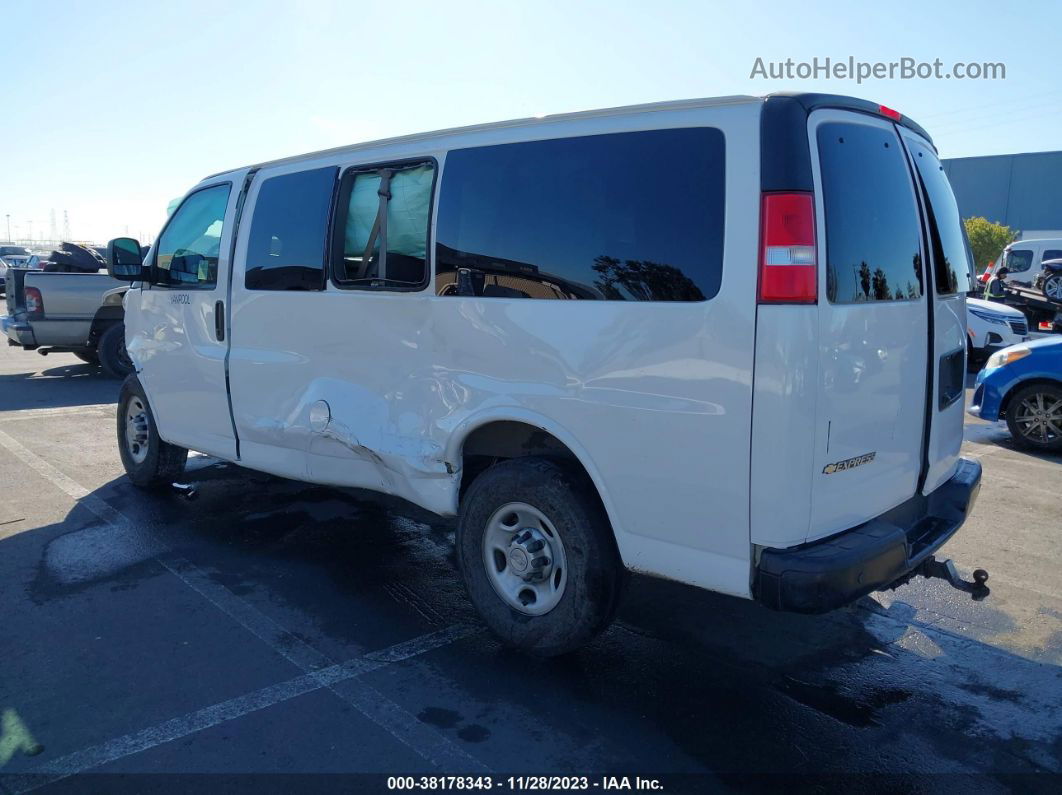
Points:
(719, 341)
(1023, 259)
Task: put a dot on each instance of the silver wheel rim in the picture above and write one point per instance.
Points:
(1039, 418)
(524, 558)
(136, 429)
(1053, 288)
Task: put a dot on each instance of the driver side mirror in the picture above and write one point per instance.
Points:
(125, 260)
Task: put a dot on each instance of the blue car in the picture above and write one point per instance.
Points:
(1023, 385)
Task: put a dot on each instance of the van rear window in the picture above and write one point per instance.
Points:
(945, 227)
(626, 216)
(872, 225)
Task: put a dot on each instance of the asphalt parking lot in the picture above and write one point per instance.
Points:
(269, 626)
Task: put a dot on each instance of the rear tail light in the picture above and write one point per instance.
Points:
(1046, 325)
(34, 303)
(788, 264)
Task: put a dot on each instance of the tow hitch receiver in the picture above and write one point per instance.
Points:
(945, 570)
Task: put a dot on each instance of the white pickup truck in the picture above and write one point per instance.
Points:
(79, 313)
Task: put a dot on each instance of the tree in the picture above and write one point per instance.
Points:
(987, 240)
(644, 281)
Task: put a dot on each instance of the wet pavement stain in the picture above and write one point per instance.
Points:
(858, 711)
(473, 733)
(437, 716)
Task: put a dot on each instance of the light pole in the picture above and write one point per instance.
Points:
(8, 216)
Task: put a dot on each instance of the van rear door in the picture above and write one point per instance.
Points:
(948, 281)
(873, 322)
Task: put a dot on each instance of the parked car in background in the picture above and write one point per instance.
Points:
(991, 326)
(1023, 385)
(1024, 258)
(8, 250)
(11, 257)
(79, 313)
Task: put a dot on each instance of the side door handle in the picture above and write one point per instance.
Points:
(219, 320)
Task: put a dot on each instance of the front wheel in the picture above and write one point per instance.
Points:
(1034, 417)
(537, 555)
(148, 460)
(113, 356)
(1053, 287)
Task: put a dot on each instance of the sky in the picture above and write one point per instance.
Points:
(113, 109)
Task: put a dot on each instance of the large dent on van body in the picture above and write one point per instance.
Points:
(359, 427)
(397, 455)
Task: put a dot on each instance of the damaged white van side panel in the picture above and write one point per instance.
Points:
(381, 389)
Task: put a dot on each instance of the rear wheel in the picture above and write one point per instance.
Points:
(1034, 417)
(148, 460)
(111, 349)
(537, 555)
(1053, 287)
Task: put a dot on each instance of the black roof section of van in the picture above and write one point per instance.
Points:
(785, 159)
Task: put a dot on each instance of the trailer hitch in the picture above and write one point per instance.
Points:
(945, 570)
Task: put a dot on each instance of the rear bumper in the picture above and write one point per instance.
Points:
(827, 574)
(18, 332)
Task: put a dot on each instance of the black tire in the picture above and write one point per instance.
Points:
(1052, 288)
(1021, 409)
(163, 462)
(88, 357)
(111, 350)
(594, 571)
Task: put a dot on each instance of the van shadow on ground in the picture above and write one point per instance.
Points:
(85, 384)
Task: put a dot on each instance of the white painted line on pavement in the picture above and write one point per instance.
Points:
(58, 411)
(136, 742)
(422, 739)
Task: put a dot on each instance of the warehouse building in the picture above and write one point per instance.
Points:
(1023, 191)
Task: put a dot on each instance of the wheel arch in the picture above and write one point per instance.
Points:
(1004, 403)
(514, 433)
(105, 317)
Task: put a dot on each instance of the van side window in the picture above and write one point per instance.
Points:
(873, 237)
(286, 245)
(1019, 260)
(381, 234)
(1050, 254)
(625, 217)
(945, 225)
(188, 248)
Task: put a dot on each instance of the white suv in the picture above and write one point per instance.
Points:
(991, 325)
(719, 341)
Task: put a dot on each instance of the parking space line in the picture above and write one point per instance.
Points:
(389, 716)
(136, 742)
(57, 411)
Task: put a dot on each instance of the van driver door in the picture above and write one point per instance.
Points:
(180, 340)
